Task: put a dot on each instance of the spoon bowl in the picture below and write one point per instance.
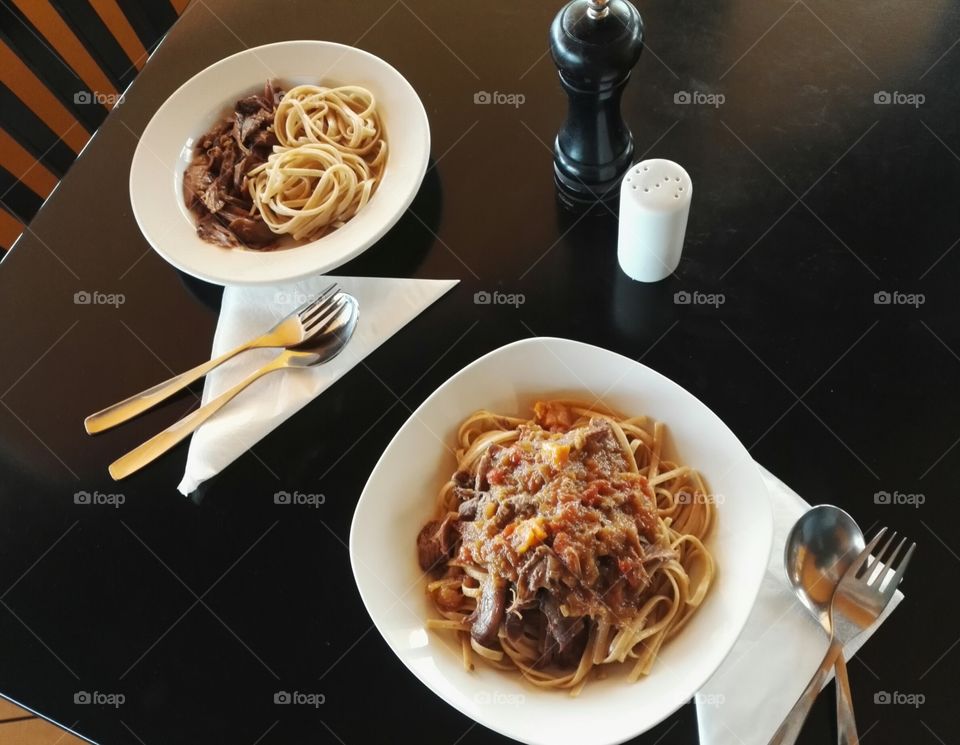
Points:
(326, 332)
(820, 547)
(330, 334)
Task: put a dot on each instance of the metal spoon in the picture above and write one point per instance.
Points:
(820, 548)
(329, 334)
(292, 330)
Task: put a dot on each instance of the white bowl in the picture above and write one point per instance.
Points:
(166, 148)
(400, 497)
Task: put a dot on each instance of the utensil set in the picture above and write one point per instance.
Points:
(313, 334)
(863, 592)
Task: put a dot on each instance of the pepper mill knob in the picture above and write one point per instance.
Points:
(595, 44)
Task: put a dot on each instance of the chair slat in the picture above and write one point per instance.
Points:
(30, 89)
(114, 19)
(16, 159)
(59, 35)
(26, 181)
(10, 228)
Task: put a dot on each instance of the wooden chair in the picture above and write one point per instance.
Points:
(63, 64)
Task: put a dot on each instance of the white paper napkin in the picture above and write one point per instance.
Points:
(386, 306)
(777, 653)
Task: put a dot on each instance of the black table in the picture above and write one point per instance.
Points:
(810, 198)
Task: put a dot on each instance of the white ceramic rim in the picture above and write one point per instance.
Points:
(748, 584)
(156, 198)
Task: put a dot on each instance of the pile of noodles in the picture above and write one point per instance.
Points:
(328, 162)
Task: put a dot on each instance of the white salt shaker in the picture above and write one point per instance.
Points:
(654, 204)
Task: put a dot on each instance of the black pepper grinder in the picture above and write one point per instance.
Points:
(595, 44)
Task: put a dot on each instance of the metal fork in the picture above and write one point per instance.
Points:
(860, 598)
(327, 335)
(291, 331)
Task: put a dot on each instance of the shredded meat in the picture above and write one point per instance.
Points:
(560, 628)
(251, 231)
(561, 640)
(429, 551)
(469, 500)
(213, 231)
(543, 571)
(491, 607)
(215, 182)
(564, 529)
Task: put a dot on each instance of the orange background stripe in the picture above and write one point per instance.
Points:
(49, 23)
(21, 80)
(24, 167)
(28, 88)
(10, 228)
(123, 32)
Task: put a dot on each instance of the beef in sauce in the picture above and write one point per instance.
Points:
(563, 527)
(215, 183)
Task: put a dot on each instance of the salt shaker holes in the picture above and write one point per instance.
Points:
(652, 222)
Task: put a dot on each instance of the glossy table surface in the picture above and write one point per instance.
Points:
(811, 196)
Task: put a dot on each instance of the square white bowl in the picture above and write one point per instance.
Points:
(400, 497)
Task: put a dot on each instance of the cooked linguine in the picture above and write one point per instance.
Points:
(567, 542)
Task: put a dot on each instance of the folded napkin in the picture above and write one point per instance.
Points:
(778, 651)
(386, 306)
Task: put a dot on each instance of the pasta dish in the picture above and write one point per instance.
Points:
(565, 543)
(296, 163)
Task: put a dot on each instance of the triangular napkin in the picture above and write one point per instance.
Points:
(778, 651)
(386, 306)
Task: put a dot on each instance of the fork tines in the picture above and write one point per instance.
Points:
(310, 308)
(882, 569)
(321, 320)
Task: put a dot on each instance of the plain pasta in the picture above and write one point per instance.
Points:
(328, 162)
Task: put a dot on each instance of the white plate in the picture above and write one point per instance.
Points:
(400, 497)
(166, 148)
